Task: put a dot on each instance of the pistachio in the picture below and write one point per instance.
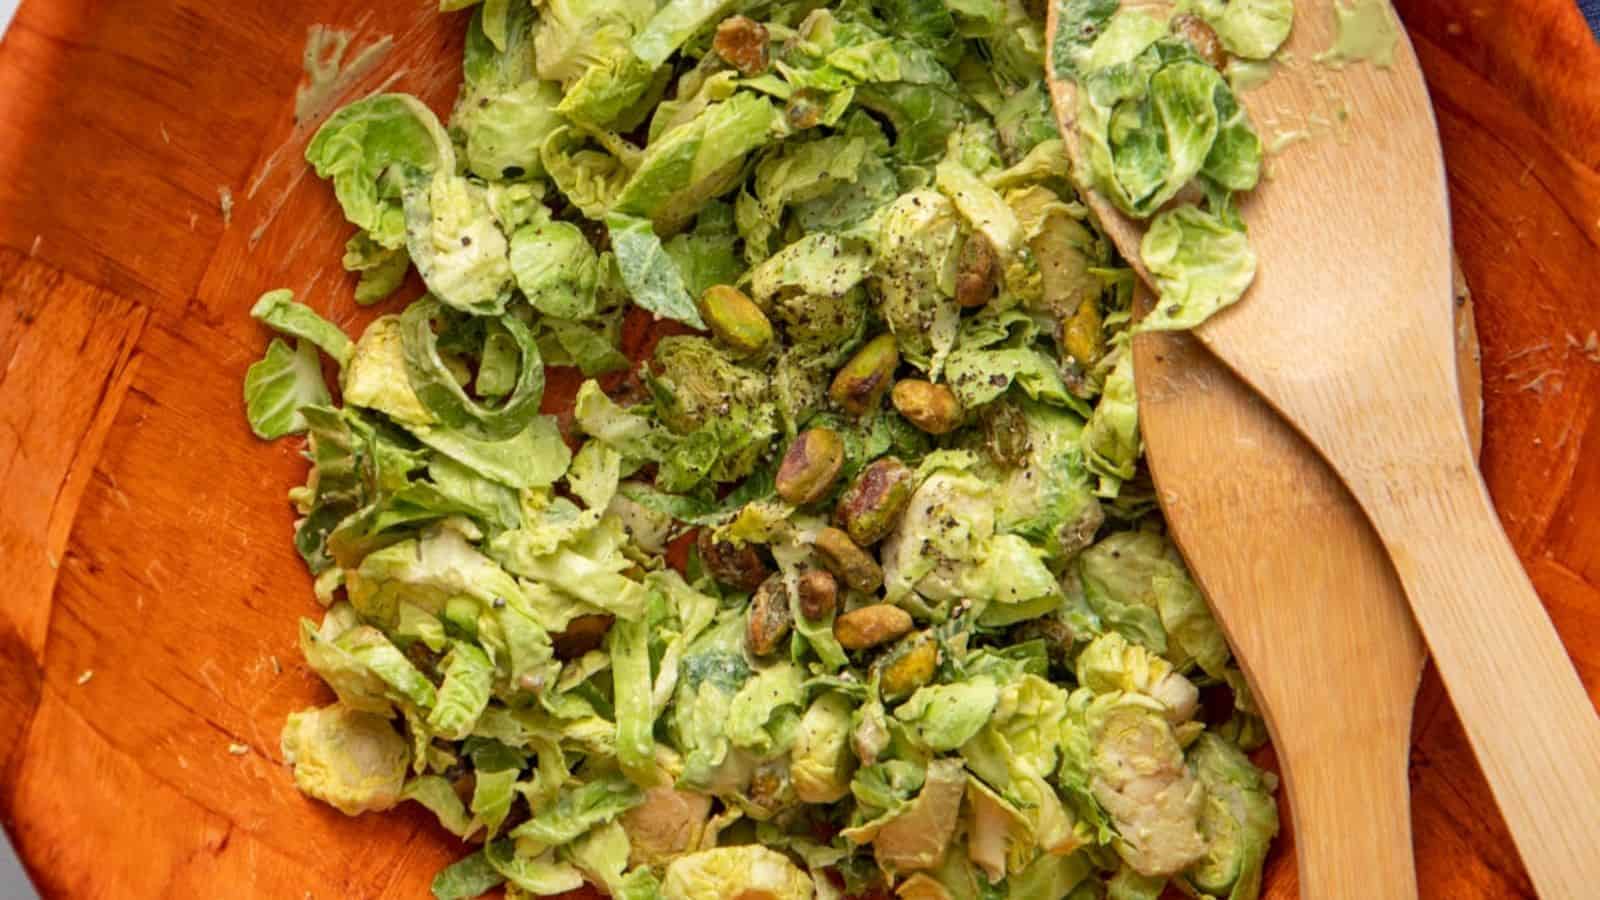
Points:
(583, 634)
(978, 271)
(770, 787)
(768, 620)
(931, 407)
(743, 43)
(1201, 36)
(735, 319)
(811, 466)
(860, 385)
(819, 595)
(909, 667)
(1005, 434)
(872, 625)
(872, 504)
(736, 567)
(846, 560)
(1083, 335)
(804, 109)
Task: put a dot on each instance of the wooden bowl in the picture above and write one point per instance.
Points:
(145, 534)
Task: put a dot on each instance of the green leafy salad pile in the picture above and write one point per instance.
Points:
(925, 634)
(1160, 126)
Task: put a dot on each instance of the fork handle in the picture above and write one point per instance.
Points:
(1527, 715)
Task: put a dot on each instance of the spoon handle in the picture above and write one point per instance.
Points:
(1352, 813)
(1318, 623)
(1530, 721)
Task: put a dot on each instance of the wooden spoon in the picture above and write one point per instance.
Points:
(1234, 478)
(1347, 333)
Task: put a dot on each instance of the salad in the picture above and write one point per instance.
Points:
(839, 573)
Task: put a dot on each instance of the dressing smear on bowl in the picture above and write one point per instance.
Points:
(1368, 32)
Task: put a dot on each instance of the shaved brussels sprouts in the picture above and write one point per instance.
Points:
(352, 760)
(751, 502)
(732, 873)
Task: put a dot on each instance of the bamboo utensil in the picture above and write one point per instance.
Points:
(1347, 332)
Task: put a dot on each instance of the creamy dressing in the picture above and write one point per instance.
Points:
(1248, 74)
(1368, 32)
(1287, 139)
(327, 73)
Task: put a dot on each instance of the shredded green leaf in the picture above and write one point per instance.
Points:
(845, 567)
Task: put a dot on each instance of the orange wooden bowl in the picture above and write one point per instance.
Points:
(145, 535)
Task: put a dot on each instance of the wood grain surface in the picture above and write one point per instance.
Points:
(145, 534)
